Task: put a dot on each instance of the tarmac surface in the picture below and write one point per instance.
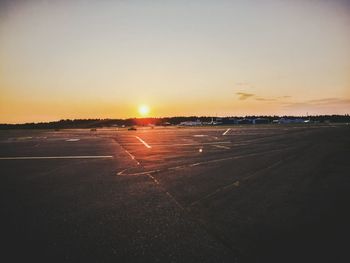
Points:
(266, 193)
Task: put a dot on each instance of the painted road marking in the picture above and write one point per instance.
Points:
(121, 172)
(57, 157)
(237, 183)
(24, 138)
(222, 147)
(144, 143)
(72, 140)
(165, 191)
(155, 180)
(236, 157)
(179, 144)
(140, 173)
(132, 157)
(226, 131)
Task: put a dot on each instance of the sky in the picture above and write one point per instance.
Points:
(103, 59)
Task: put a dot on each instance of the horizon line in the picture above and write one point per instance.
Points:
(168, 117)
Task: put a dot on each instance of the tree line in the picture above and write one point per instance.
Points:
(98, 123)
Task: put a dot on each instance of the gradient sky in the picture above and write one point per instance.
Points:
(102, 59)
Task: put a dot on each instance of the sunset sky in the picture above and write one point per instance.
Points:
(103, 59)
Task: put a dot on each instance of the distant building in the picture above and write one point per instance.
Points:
(288, 121)
(228, 121)
(244, 121)
(261, 121)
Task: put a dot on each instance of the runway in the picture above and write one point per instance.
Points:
(168, 194)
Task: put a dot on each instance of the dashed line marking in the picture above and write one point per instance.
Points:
(226, 131)
(121, 172)
(72, 140)
(132, 156)
(144, 143)
(181, 144)
(222, 147)
(24, 138)
(140, 173)
(237, 183)
(165, 191)
(205, 162)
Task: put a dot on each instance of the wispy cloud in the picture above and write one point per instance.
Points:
(319, 102)
(265, 99)
(329, 101)
(244, 95)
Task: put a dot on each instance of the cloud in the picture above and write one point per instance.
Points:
(244, 95)
(265, 99)
(319, 102)
(329, 101)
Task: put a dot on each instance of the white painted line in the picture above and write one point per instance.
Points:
(72, 140)
(131, 156)
(147, 172)
(57, 157)
(200, 135)
(226, 131)
(121, 172)
(24, 138)
(222, 147)
(178, 167)
(165, 191)
(144, 143)
(178, 144)
(202, 163)
(223, 159)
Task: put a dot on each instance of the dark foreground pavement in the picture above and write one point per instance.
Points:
(248, 194)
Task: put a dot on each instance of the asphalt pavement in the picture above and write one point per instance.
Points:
(264, 193)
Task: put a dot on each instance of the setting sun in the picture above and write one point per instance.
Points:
(144, 110)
